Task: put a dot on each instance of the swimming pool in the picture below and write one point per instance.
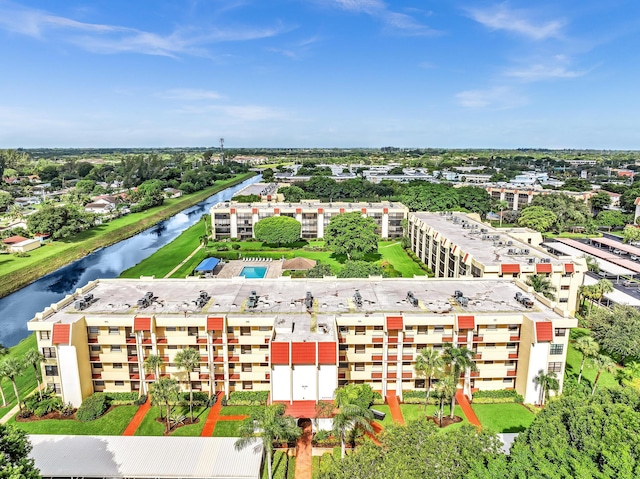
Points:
(254, 272)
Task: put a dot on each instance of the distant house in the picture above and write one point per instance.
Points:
(11, 181)
(104, 204)
(25, 246)
(615, 199)
(26, 201)
(11, 240)
(172, 193)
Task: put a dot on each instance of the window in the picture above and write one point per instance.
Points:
(419, 384)
(511, 345)
(95, 348)
(229, 330)
(97, 365)
(488, 362)
(247, 385)
(114, 330)
(245, 331)
(93, 330)
(192, 331)
(493, 327)
(263, 346)
(45, 334)
(359, 348)
(420, 347)
(98, 383)
(555, 367)
(556, 349)
(438, 329)
(117, 365)
(246, 368)
(51, 370)
(358, 367)
(561, 332)
(245, 349)
(264, 328)
(424, 329)
(119, 383)
(564, 287)
(360, 330)
(507, 381)
(513, 328)
(377, 346)
(49, 353)
(170, 328)
(343, 329)
(116, 349)
(490, 345)
(378, 328)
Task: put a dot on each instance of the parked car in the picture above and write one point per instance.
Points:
(628, 283)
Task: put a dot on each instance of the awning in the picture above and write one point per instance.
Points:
(544, 331)
(207, 265)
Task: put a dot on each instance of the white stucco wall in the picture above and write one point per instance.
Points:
(69, 375)
(537, 360)
(280, 383)
(327, 381)
(304, 383)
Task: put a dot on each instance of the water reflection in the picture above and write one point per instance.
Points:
(19, 307)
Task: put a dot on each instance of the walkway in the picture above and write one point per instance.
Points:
(466, 408)
(212, 418)
(394, 407)
(303, 452)
(168, 275)
(137, 418)
(377, 429)
(12, 412)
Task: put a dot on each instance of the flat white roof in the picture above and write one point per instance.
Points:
(604, 265)
(144, 457)
(616, 295)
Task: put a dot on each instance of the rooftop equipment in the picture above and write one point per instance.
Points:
(308, 300)
(357, 298)
(524, 300)
(411, 299)
(146, 300)
(253, 300)
(202, 299)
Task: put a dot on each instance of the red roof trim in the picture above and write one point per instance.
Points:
(395, 322)
(465, 257)
(327, 353)
(509, 268)
(466, 322)
(543, 268)
(61, 334)
(142, 324)
(303, 353)
(544, 331)
(215, 323)
(569, 268)
(280, 353)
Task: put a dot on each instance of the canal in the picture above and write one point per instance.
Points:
(19, 307)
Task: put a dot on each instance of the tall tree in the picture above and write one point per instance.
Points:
(429, 363)
(2, 376)
(501, 205)
(446, 389)
(351, 416)
(278, 230)
(163, 392)
(617, 331)
(12, 368)
(351, 234)
(537, 218)
(14, 454)
(188, 359)
(602, 363)
(541, 284)
(546, 382)
(589, 348)
(152, 364)
(34, 358)
(602, 287)
(459, 360)
(267, 424)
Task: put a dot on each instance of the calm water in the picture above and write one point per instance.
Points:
(21, 306)
(253, 272)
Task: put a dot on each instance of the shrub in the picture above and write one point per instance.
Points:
(141, 400)
(93, 407)
(377, 398)
(67, 410)
(248, 398)
(199, 398)
(417, 397)
(498, 396)
(121, 399)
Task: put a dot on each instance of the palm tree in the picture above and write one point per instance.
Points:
(429, 363)
(33, 358)
(546, 382)
(602, 287)
(163, 392)
(459, 360)
(188, 359)
(152, 365)
(501, 205)
(350, 417)
(541, 284)
(2, 376)
(592, 263)
(12, 368)
(602, 362)
(589, 348)
(268, 424)
(446, 388)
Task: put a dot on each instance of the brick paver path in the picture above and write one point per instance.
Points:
(212, 418)
(466, 408)
(137, 418)
(394, 407)
(303, 453)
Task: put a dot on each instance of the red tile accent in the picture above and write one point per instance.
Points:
(267, 340)
(394, 322)
(198, 341)
(513, 355)
(393, 339)
(95, 340)
(408, 375)
(377, 340)
(543, 268)
(204, 359)
(327, 352)
(569, 268)
(466, 322)
(233, 211)
(514, 338)
(376, 357)
(267, 376)
(511, 373)
(96, 376)
(61, 334)
(129, 341)
(276, 211)
(94, 358)
(215, 324)
(203, 377)
(134, 376)
(341, 210)
(342, 376)
(303, 353)
(234, 376)
(465, 257)
(298, 211)
(407, 340)
(218, 377)
(218, 359)
(447, 339)
(376, 375)
(475, 374)
(142, 324)
(146, 341)
(217, 341)
(509, 268)
(320, 211)
(407, 357)
(392, 358)
(364, 211)
(478, 356)
(132, 359)
(254, 211)
(234, 359)
(279, 353)
(462, 339)
(544, 331)
(233, 341)
(162, 340)
(477, 339)
(391, 375)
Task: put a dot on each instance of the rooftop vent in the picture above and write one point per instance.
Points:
(202, 299)
(524, 300)
(357, 298)
(411, 299)
(146, 300)
(308, 300)
(253, 300)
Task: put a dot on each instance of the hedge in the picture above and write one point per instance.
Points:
(248, 398)
(92, 407)
(497, 397)
(418, 397)
(377, 398)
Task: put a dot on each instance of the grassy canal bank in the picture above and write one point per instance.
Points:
(16, 272)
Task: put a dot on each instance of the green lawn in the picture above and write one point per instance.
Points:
(187, 268)
(26, 381)
(387, 421)
(510, 417)
(17, 272)
(111, 424)
(574, 358)
(227, 429)
(169, 256)
(150, 427)
(413, 412)
(283, 466)
(395, 254)
(239, 410)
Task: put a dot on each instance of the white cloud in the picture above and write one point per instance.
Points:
(500, 98)
(540, 72)
(501, 17)
(189, 94)
(365, 6)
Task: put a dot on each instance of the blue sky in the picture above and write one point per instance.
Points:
(320, 73)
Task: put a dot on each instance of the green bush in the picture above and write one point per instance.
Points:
(248, 398)
(121, 399)
(41, 407)
(417, 397)
(377, 398)
(92, 407)
(498, 396)
(199, 398)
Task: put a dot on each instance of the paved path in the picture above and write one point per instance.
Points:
(377, 429)
(394, 407)
(466, 408)
(137, 418)
(14, 410)
(183, 261)
(212, 418)
(303, 453)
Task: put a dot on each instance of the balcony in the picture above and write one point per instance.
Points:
(408, 375)
(135, 376)
(392, 375)
(392, 358)
(462, 340)
(514, 338)
(376, 357)
(129, 340)
(376, 375)
(513, 355)
(407, 357)
(203, 376)
(447, 339)
(477, 339)
(393, 339)
(162, 340)
(217, 341)
(512, 373)
(408, 340)
(199, 341)
(378, 339)
(132, 359)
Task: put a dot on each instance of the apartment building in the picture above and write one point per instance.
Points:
(519, 197)
(236, 220)
(298, 339)
(458, 245)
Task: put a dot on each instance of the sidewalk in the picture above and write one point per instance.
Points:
(394, 407)
(466, 408)
(212, 418)
(168, 275)
(303, 453)
(137, 418)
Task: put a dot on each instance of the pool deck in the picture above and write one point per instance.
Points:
(232, 268)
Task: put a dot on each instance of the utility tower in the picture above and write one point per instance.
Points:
(222, 151)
